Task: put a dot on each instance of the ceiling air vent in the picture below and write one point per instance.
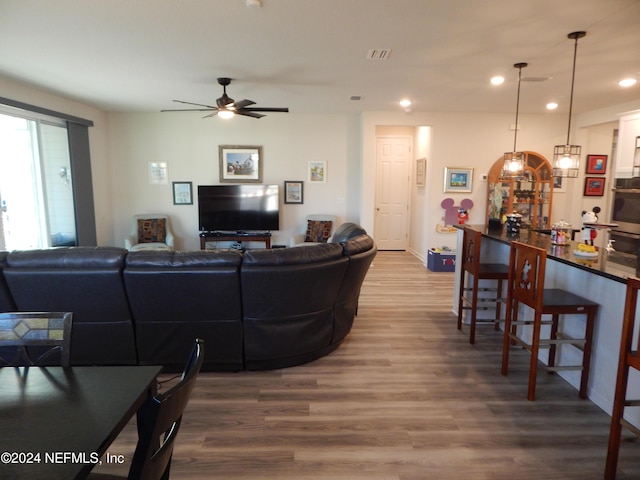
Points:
(378, 54)
(355, 98)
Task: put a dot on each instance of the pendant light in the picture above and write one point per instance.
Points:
(566, 158)
(514, 161)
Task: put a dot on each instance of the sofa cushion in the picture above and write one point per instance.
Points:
(178, 296)
(152, 230)
(358, 244)
(293, 256)
(6, 302)
(193, 259)
(68, 258)
(318, 231)
(86, 281)
(346, 231)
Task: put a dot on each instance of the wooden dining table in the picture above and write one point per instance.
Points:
(58, 423)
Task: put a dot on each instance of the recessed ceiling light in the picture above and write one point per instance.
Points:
(405, 103)
(552, 106)
(627, 82)
(498, 80)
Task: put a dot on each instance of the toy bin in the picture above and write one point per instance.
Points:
(441, 261)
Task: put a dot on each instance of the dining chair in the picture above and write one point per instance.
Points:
(527, 265)
(471, 272)
(159, 420)
(25, 336)
(628, 358)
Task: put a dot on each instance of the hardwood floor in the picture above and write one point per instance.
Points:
(404, 398)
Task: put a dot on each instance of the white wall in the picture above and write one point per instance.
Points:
(122, 144)
(189, 145)
(456, 140)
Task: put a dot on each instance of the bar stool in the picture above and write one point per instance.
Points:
(628, 358)
(526, 285)
(479, 271)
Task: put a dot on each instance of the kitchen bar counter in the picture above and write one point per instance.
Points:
(607, 264)
(599, 279)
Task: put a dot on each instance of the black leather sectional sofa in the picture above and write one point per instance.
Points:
(261, 309)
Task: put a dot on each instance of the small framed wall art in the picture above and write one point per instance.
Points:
(594, 186)
(596, 164)
(421, 171)
(158, 173)
(458, 179)
(182, 193)
(294, 191)
(240, 164)
(318, 172)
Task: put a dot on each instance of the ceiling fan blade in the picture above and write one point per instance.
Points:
(191, 110)
(249, 113)
(197, 104)
(212, 114)
(269, 109)
(243, 103)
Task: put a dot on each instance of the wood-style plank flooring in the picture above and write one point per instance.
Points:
(404, 398)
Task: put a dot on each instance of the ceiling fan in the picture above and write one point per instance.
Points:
(227, 107)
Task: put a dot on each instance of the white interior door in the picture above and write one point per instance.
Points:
(393, 157)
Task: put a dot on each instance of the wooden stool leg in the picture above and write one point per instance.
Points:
(553, 336)
(616, 427)
(506, 339)
(586, 352)
(535, 348)
(474, 310)
(460, 301)
(498, 305)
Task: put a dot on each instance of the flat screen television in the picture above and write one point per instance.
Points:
(238, 208)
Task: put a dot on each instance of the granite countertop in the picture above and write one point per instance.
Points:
(608, 264)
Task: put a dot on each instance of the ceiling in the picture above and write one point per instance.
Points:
(310, 56)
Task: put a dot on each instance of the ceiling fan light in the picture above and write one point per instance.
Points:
(226, 114)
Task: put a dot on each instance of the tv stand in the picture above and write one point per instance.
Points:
(239, 236)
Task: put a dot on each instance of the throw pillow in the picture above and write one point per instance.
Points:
(318, 231)
(152, 230)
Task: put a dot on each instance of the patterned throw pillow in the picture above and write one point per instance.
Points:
(318, 231)
(152, 230)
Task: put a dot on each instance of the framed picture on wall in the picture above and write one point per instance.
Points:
(240, 164)
(596, 164)
(458, 179)
(318, 172)
(594, 186)
(421, 171)
(158, 173)
(182, 193)
(293, 191)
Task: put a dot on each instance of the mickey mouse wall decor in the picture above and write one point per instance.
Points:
(454, 214)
